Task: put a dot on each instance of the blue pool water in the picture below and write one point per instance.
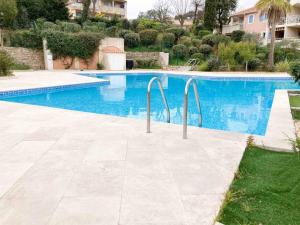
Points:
(240, 104)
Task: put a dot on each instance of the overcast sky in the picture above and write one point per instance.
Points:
(136, 6)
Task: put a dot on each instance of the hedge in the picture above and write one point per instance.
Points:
(148, 37)
(180, 51)
(168, 40)
(132, 40)
(26, 39)
(6, 62)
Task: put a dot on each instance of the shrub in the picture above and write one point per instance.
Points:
(193, 50)
(295, 70)
(20, 66)
(6, 63)
(81, 45)
(69, 27)
(252, 38)
(213, 64)
(177, 31)
(209, 40)
(168, 40)
(253, 64)
(196, 42)
(203, 33)
(111, 31)
(199, 56)
(220, 38)
(185, 40)
(146, 64)
(49, 26)
(180, 51)
(93, 28)
(283, 66)
(203, 67)
(205, 49)
(122, 33)
(132, 40)
(100, 66)
(237, 35)
(26, 39)
(226, 53)
(148, 37)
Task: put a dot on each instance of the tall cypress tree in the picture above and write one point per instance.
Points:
(210, 13)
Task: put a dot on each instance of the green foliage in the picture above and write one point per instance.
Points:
(100, 66)
(6, 63)
(185, 40)
(210, 12)
(86, 10)
(81, 45)
(193, 50)
(148, 37)
(20, 66)
(210, 39)
(251, 37)
(203, 33)
(199, 56)
(205, 49)
(49, 26)
(213, 64)
(69, 27)
(237, 35)
(146, 64)
(253, 64)
(196, 42)
(295, 70)
(226, 54)
(122, 33)
(246, 52)
(203, 67)
(54, 10)
(26, 39)
(132, 40)
(94, 27)
(146, 24)
(283, 66)
(266, 190)
(177, 31)
(112, 31)
(168, 40)
(8, 12)
(180, 51)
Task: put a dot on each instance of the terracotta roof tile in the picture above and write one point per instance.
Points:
(112, 49)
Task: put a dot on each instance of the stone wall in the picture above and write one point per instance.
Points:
(32, 58)
(161, 58)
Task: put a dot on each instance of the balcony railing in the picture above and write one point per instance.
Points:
(113, 10)
(227, 29)
(295, 19)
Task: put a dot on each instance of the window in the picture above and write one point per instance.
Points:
(263, 17)
(251, 19)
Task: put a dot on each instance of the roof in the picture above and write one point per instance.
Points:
(246, 11)
(112, 49)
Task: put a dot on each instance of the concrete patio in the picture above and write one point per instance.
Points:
(62, 167)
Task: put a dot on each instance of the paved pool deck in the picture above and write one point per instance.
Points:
(61, 167)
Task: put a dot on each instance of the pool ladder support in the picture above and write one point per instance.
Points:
(186, 102)
(160, 86)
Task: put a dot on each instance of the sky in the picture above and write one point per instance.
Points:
(137, 6)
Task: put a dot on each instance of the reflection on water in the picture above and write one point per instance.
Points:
(242, 106)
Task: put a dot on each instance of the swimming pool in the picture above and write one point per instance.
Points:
(232, 104)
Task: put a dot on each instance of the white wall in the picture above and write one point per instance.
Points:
(114, 61)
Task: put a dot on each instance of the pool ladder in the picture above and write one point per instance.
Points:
(185, 107)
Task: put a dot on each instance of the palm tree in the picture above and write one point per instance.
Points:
(275, 10)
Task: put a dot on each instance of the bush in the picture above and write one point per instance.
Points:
(93, 28)
(111, 31)
(148, 37)
(203, 33)
(295, 70)
(210, 40)
(132, 40)
(196, 42)
(205, 49)
(6, 62)
(69, 27)
(81, 45)
(203, 67)
(220, 38)
(237, 35)
(122, 33)
(199, 56)
(177, 31)
(168, 40)
(180, 51)
(100, 66)
(254, 64)
(213, 64)
(146, 64)
(185, 40)
(49, 26)
(193, 50)
(283, 66)
(26, 39)
(252, 38)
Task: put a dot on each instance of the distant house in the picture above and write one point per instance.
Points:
(107, 8)
(254, 21)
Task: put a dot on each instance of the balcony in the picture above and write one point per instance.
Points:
(113, 10)
(290, 21)
(295, 3)
(228, 29)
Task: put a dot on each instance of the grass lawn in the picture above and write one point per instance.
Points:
(295, 102)
(266, 190)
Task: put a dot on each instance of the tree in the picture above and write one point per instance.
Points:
(162, 8)
(94, 2)
(275, 9)
(55, 10)
(210, 12)
(246, 51)
(180, 9)
(223, 10)
(197, 5)
(86, 10)
(8, 12)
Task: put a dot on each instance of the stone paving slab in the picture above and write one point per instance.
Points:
(78, 168)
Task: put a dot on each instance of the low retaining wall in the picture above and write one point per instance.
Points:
(30, 57)
(161, 57)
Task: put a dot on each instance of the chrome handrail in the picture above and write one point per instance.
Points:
(185, 107)
(149, 101)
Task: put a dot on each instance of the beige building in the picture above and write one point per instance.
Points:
(254, 21)
(107, 8)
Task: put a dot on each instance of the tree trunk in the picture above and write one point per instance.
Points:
(181, 20)
(1, 38)
(272, 45)
(195, 14)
